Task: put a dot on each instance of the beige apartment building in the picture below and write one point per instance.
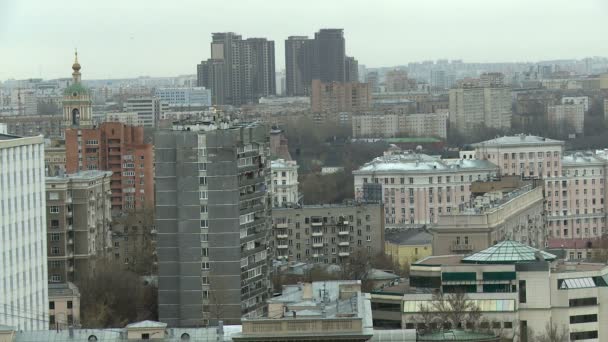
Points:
(376, 125)
(572, 115)
(495, 216)
(417, 188)
(64, 306)
(78, 222)
(338, 97)
(54, 159)
(471, 106)
(327, 233)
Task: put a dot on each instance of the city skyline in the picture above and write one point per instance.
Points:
(161, 40)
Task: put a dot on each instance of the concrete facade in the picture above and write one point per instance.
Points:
(471, 106)
(213, 221)
(149, 109)
(64, 306)
(78, 223)
(391, 125)
(327, 233)
(23, 267)
(570, 114)
(516, 215)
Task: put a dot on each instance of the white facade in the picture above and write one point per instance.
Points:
(572, 114)
(284, 182)
(23, 267)
(417, 188)
(149, 109)
(188, 96)
(474, 106)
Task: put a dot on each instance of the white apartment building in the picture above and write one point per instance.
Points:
(185, 96)
(582, 100)
(284, 186)
(390, 125)
(574, 183)
(571, 114)
(417, 188)
(23, 268)
(149, 109)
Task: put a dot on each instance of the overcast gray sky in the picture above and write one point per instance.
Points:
(128, 38)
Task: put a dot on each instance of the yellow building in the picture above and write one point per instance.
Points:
(406, 246)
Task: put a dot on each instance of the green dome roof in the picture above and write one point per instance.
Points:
(507, 252)
(76, 88)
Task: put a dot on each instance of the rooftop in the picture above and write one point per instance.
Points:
(418, 162)
(81, 175)
(413, 140)
(8, 136)
(404, 237)
(458, 335)
(283, 164)
(508, 252)
(583, 158)
(518, 140)
(63, 289)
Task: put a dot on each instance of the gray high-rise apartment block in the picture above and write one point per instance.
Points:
(351, 69)
(239, 71)
(213, 221)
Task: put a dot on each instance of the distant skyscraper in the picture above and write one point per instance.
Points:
(213, 220)
(239, 71)
(330, 54)
(23, 268)
(351, 69)
(299, 60)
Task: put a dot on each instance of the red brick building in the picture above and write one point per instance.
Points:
(119, 148)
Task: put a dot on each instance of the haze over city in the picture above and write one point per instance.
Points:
(247, 171)
(120, 39)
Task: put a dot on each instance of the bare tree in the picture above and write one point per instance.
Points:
(552, 333)
(134, 233)
(453, 309)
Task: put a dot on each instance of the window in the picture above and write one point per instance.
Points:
(54, 250)
(54, 209)
(55, 236)
(583, 319)
(51, 305)
(588, 301)
(203, 194)
(55, 278)
(522, 291)
(145, 336)
(204, 224)
(52, 320)
(583, 335)
(55, 224)
(508, 325)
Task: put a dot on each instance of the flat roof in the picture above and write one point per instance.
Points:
(8, 136)
(518, 140)
(441, 260)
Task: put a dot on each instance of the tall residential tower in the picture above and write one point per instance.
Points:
(213, 220)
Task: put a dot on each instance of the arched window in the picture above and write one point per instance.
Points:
(185, 337)
(92, 338)
(75, 117)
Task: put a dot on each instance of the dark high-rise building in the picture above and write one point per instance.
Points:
(299, 60)
(351, 69)
(330, 54)
(239, 71)
(214, 222)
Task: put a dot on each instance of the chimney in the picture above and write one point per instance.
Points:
(307, 291)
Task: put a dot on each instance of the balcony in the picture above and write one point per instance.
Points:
(70, 241)
(70, 213)
(316, 224)
(317, 255)
(282, 225)
(282, 246)
(343, 232)
(70, 227)
(71, 269)
(343, 254)
(346, 223)
(68, 200)
(317, 244)
(461, 248)
(344, 244)
(281, 257)
(317, 233)
(282, 236)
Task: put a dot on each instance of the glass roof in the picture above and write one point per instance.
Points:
(507, 252)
